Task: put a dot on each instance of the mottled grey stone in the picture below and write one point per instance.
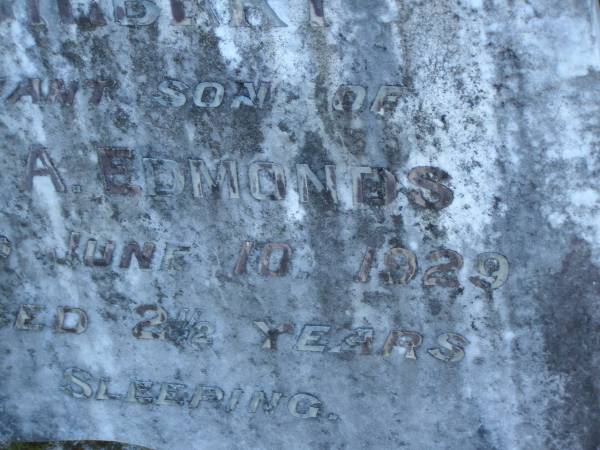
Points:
(408, 256)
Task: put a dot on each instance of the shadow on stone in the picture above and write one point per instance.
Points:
(71, 445)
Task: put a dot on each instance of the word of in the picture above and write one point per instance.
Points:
(44, 91)
(67, 319)
(267, 181)
(135, 13)
(312, 338)
(82, 385)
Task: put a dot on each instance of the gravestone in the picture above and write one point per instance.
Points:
(300, 224)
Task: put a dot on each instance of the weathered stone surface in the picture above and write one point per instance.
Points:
(300, 224)
(71, 445)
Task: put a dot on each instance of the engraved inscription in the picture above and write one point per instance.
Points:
(257, 14)
(451, 348)
(185, 329)
(272, 334)
(254, 13)
(399, 273)
(274, 261)
(225, 184)
(80, 384)
(95, 255)
(430, 178)
(267, 181)
(401, 268)
(57, 91)
(39, 164)
(67, 319)
(71, 320)
(114, 164)
(360, 341)
(443, 275)
(491, 265)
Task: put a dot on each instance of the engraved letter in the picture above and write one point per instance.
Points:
(31, 87)
(139, 392)
(106, 253)
(6, 12)
(178, 13)
(305, 175)
(493, 265)
(409, 268)
(212, 394)
(95, 17)
(271, 334)
(409, 340)
(143, 257)
(226, 182)
(102, 392)
(264, 265)
(381, 191)
(26, 315)
(430, 178)
(78, 383)
(204, 98)
(5, 247)
(71, 256)
(172, 93)
(133, 13)
(452, 348)
(234, 400)
(200, 14)
(35, 17)
(39, 164)
(349, 98)
(304, 406)
(65, 95)
(242, 262)
(260, 397)
(173, 258)
(443, 275)
(170, 394)
(115, 171)
(365, 268)
(360, 337)
(163, 177)
(254, 13)
(98, 88)
(253, 99)
(316, 13)
(273, 176)
(386, 99)
(71, 320)
(202, 335)
(140, 332)
(65, 11)
(310, 338)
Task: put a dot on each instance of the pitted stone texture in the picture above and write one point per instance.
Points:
(499, 95)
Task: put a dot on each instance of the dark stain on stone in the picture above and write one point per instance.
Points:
(572, 335)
